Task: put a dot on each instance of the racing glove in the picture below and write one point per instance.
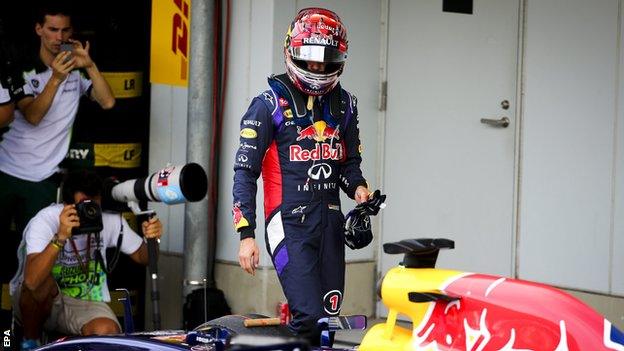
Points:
(358, 232)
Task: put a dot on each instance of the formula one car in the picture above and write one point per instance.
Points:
(449, 310)
(453, 310)
(225, 333)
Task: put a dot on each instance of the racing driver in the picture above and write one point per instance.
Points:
(302, 135)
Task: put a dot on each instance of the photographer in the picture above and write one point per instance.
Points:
(62, 283)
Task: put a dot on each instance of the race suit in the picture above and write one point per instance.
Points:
(304, 154)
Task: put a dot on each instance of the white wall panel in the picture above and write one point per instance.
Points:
(566, 187)
(617, 263)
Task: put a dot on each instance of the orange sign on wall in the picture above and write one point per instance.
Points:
(170, 43)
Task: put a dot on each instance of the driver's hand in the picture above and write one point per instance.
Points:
(361, 194)
(249, 255)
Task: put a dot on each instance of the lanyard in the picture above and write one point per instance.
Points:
(83, 266)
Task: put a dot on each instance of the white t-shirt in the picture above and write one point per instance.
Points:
(34, 152)
(4, 95)
(74, 276)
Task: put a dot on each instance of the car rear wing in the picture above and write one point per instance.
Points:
(419, 253)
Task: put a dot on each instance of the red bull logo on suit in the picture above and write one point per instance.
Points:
(323, 151)
(319, 131)
(306, 133)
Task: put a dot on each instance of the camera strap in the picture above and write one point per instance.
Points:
(115, 258)
(113, 262)
(83, 266)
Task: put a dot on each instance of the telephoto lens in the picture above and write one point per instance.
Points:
(171, 185)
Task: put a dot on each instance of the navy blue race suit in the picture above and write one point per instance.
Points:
(304, 155)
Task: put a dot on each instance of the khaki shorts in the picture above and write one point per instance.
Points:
(68, 314)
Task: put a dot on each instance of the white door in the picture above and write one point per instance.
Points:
(446, 173)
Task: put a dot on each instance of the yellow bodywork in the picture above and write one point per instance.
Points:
(396, 286)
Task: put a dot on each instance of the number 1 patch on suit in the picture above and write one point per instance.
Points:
(332, 302)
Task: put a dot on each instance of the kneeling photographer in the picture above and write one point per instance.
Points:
(61, 282)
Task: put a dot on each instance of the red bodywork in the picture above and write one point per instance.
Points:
(495, 313)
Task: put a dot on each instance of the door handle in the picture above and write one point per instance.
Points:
(503, 122)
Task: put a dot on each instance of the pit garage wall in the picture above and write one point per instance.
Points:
(256, 40)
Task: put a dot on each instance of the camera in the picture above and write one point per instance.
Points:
(90, 215)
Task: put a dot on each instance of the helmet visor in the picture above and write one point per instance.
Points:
(318, 53)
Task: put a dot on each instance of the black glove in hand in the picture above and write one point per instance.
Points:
(358, 232)
(375, 202)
